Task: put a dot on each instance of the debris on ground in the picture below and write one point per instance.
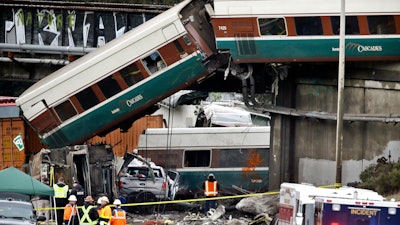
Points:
(218, 216)
(259, 204)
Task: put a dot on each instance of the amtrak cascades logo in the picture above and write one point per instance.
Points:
(360, 48)
(133, 100)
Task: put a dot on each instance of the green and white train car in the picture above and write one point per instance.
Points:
(306, 30)
(237, 156)
(115, 84)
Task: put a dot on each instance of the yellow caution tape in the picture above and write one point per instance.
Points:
(336, 185)
(180, 201)
(199, 199)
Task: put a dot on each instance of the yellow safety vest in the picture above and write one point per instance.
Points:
(86, 218)
(60, 192)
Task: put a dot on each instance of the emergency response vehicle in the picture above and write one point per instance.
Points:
(304, 204)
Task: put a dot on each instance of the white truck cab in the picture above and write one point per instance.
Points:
(144, 181)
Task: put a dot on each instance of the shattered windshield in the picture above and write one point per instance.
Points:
(137, 171)
(13, 210)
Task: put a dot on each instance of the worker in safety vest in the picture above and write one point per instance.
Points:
(71, 215)
(105, 212)
(118, 214)
(99, 206)
(211, 188)
(88, 212)
(60, 196)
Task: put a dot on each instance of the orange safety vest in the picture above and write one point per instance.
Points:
(210, 188)
(69, 211)
(118, 217)
(105, 214)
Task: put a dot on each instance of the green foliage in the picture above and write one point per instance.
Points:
(381, 177)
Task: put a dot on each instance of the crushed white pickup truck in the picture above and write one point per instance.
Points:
(144, 181)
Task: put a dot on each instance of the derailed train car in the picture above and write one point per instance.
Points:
(237, 156)
(121, 81)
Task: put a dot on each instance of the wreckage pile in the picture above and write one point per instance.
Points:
(257, 210)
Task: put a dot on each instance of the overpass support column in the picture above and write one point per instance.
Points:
(282, 139)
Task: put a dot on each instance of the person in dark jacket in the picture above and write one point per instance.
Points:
(79, 192)
(88, 212)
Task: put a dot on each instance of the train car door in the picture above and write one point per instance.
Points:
(363, 216)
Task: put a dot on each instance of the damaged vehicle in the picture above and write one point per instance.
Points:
(144, 181)
(16, 209)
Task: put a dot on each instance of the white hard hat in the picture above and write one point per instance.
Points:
(117, 202)
(72, 198)
(99, 200)
(104, 198)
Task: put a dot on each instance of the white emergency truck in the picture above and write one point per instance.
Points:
(304, 204)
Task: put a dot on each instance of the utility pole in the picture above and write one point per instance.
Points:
(340, 104)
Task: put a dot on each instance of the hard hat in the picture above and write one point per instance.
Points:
(211, 175)
(99, 200)
(117, 202)
(89, 199)
(104, 198)
(72, 198)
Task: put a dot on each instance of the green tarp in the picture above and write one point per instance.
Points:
(14, 180)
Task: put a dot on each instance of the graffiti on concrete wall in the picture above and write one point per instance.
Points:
(59, 27)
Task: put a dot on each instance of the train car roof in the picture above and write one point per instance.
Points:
(104, 52)
(210, 130)
(205, 137)
(303, 7)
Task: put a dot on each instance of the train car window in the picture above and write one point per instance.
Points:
(381, 25)
(197, 158)
(109, 86)
(351, 25)
(154, 62)
(131, 74)
(272, 26)
(65, 110)
(179, 47)
(308, 25)
(87, 98)
(186, 39)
